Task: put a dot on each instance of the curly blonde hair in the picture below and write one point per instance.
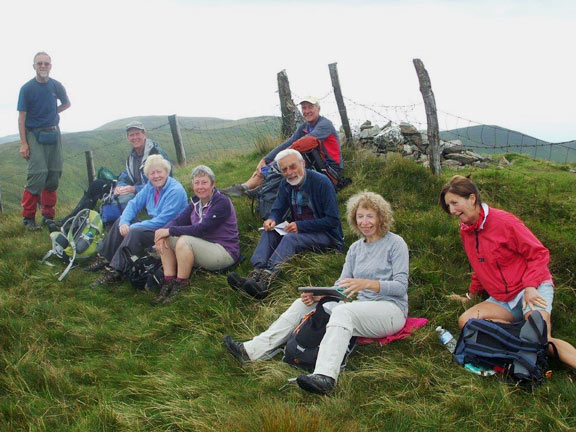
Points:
(372, 201)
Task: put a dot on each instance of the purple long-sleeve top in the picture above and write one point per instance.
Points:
(215, 222)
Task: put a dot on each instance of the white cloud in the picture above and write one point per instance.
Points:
(507, 64)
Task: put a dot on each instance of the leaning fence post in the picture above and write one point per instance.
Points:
(340, 101)
(90, 167)
(431, 116)
(290, 114)
(175, 129)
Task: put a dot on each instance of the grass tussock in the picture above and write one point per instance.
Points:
(77, 359)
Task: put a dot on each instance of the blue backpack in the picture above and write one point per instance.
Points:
(519, 350)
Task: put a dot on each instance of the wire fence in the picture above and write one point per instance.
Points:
(207, 137)
(202, 138)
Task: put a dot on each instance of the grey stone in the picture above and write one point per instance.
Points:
(370, 132)
(366, 125)
(461, 157)
(407, 149)
(449, 163)
(454, 146)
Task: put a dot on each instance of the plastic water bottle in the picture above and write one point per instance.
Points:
(447, 339)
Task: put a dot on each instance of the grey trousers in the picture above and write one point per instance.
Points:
(137, 240)
(374, 319)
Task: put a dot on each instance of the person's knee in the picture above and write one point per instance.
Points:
(182, 246)
(52, 180)
(341, 317)
(463, 319)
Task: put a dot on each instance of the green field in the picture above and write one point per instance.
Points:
(76, 359)
(203, 138)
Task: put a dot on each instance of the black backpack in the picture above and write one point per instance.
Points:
(143, 273)
(519, 350)
(304, 343)
(268, 191)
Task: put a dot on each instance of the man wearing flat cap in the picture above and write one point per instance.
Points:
(131, 180)
(314, 126)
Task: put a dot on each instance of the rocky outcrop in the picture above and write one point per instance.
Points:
(411, 143)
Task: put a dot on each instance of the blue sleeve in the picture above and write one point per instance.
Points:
(133, 208)
(214, 218)
(295, 136)
(173, 203)
(61, 92)
(281, 203)
(325, 201)
(22, 102)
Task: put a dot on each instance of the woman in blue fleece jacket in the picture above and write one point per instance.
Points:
(162, 197)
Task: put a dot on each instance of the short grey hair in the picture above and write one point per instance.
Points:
(203, 170)
(288, 152)
(156, 160)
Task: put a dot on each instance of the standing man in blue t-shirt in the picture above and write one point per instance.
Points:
(41, 146)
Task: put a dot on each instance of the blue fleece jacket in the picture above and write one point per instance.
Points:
(322, 200)
(172, 201)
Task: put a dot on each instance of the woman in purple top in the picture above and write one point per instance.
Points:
(204, 234)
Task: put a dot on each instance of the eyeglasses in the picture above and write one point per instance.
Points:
(42, 63)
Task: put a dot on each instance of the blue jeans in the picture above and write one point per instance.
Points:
(273, 249)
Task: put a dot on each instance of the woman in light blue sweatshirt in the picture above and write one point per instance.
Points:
(163, 197)
(375, 271)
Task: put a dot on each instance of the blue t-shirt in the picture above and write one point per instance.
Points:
(40, 102)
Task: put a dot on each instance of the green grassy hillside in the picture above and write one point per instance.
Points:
(76, 359)
(202, 138)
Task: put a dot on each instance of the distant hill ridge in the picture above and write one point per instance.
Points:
(490, 139)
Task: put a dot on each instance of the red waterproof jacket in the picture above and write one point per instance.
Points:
(505, 256)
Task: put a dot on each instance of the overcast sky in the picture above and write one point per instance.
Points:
(509, 63)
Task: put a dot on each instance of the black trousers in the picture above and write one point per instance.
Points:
(137, 240)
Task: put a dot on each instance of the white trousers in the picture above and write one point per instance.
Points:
(374, 319)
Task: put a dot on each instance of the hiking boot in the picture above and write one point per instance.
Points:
(236, 281)
(98, 264)
(252, 193)
(30, 224)
(164, 291)
(316, 383)
(110, 276)
(236, 349)
(236, 190)
(177, 287)
(255, 289)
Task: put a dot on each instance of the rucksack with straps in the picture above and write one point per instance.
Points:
(304, 343)
(143, 272)
(268, 191)
(519, 350)
(78, 238)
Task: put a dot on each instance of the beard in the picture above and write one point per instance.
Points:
(295, 182)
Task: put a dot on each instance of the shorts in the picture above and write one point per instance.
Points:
(546, 290)
(207, 255)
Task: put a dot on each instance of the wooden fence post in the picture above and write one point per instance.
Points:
(175, 129)
(340, 101)
(90, 167)
(290, 114)
(431, 116)
(1, 206)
